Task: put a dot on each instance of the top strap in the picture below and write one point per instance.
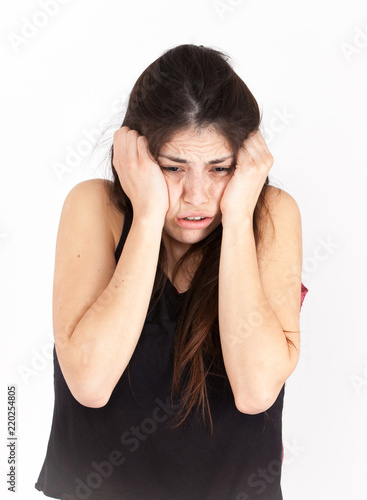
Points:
(125, 232)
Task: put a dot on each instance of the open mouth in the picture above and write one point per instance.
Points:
(195, 223)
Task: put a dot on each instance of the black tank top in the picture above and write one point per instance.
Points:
(127, 451)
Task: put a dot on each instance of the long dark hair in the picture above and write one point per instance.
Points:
(192, 86)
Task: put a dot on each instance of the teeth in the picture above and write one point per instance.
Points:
(194, 218)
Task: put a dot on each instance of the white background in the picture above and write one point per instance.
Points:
(65, 77)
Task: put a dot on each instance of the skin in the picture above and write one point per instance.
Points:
(194, 186)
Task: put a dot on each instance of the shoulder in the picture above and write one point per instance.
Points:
(93, 185)
(280, 200)
(96, 193)
(91, 188)
(282, 206)
(283, 219)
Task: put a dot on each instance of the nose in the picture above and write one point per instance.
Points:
(195, 190)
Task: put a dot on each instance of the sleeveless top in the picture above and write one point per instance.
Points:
(126, 450)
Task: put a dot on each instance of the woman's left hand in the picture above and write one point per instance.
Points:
(253, 163)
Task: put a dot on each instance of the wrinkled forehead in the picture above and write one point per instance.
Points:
(197, 145)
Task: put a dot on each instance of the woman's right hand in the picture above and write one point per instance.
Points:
(140, 176)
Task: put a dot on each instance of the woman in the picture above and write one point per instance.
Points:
(174, 337)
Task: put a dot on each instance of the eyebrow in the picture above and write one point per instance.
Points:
(181, 160)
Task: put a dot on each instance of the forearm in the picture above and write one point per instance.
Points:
(105, 338)
(254, 346)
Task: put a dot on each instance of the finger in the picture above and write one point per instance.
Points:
(119, 143)
(132, 147)
(257, 147)
(143, 147)
(255, 141)
(244, 157)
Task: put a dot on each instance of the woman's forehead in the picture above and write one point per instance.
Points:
(205, 142)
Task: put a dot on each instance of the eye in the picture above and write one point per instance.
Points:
(168, 169)
(223, 169)
(218, 169)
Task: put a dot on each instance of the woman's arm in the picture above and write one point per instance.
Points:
(259, 303)
(99, 308)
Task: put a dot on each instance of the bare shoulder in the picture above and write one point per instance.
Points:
(281, 204)
(284, 217)
(279, 198)
(96, 191)
(96, 188)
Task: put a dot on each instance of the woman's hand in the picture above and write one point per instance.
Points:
(140, 176)
(254, 161)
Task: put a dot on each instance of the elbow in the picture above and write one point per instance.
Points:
(86, 387)
(254, 407)
(258, 401)
(250, 409)
(89, 395)
(91, 401)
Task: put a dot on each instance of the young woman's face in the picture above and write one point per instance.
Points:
(197, 167)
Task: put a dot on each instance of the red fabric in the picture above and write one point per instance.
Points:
(304, 290)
